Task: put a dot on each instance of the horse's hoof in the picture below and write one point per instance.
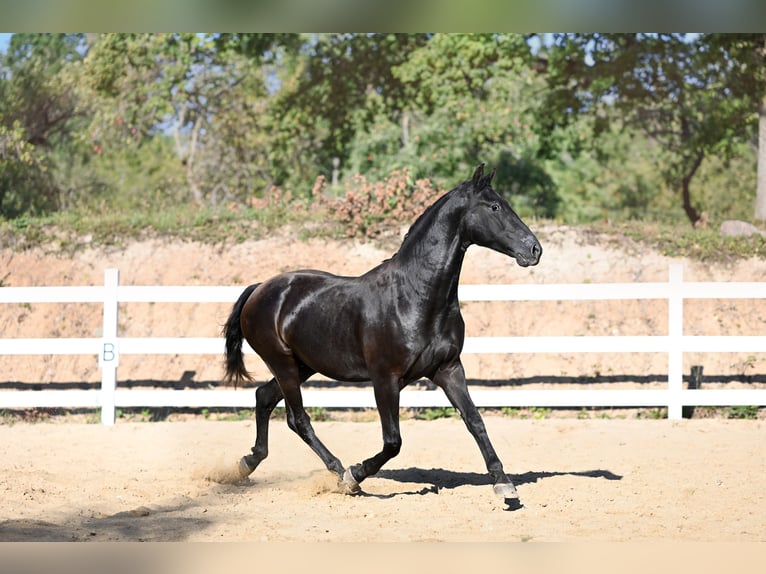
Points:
(505, 490)
(245, 469)
(348, 484)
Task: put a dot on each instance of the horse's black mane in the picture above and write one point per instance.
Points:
(425, 217)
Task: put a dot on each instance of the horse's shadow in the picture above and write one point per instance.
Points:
(438, 479)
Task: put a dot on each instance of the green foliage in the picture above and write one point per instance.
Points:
(231, 414)
(151, 128)
(71, 230)
(540, 412)
(324, 93)
(613, 177)
(434, 413)
(318, 414)
(38, 111)
(654, 414)
(26, 186)
(742, 412)
(39, 86)
(469, 101)
(202, 97)
(725, 185)
(29, 416)
(536, 413)
(121, 179)
(676, 89)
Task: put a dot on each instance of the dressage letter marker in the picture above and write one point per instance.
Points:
(110, 354)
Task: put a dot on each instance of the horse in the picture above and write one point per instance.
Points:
(395, 324)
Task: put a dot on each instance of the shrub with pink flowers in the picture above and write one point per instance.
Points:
(367, 208)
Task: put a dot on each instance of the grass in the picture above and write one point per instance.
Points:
(536, 413)
(320, 414)
(434, 413)
(682, 240)
(48, 415)
(742, 412)
(69, 231)
(655, 414)
(156, 414)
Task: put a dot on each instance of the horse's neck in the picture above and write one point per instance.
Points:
(432, 258)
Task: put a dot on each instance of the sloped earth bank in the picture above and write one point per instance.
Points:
(579, 480)
(569, 257)
(612, 480)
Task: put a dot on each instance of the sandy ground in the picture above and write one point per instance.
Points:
(579, 480)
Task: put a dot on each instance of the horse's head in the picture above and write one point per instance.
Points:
(490, 221)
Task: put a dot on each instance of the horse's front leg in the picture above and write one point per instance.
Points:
(387, 401)
(451, 378)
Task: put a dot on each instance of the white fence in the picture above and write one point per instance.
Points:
(111, 346)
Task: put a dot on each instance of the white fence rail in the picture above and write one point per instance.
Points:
(111, 346)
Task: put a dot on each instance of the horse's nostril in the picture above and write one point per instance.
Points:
(537, 250)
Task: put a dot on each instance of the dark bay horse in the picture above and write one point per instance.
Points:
(397, 323)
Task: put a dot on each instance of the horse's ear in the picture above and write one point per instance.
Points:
(477, 175)
(491, 175)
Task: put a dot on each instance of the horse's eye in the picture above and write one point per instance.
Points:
(495, 207)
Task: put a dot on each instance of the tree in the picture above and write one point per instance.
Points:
(469, 98)
(38, 94)
(25, 182)
(205, 92)
(39, 112)
(744, 58)
(324, 89)
(669, 85)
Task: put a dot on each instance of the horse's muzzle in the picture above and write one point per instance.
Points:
(532, 257)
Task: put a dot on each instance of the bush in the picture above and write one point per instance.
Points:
(366, 209)
(26, 186)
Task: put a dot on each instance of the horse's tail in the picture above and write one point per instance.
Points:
(232, 330)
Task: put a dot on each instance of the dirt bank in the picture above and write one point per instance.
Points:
(570, 257)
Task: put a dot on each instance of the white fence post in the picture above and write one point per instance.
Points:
(109, 354)
(675, 340)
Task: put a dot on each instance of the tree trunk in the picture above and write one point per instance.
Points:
(191, 178)
(691, 213)
(405, 129)
(760, 193)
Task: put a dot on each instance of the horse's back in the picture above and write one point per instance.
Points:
(291, 295)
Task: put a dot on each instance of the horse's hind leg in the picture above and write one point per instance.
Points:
(267, 396)
(290, 376)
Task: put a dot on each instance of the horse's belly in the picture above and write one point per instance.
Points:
(331, 355)
(324, 336)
